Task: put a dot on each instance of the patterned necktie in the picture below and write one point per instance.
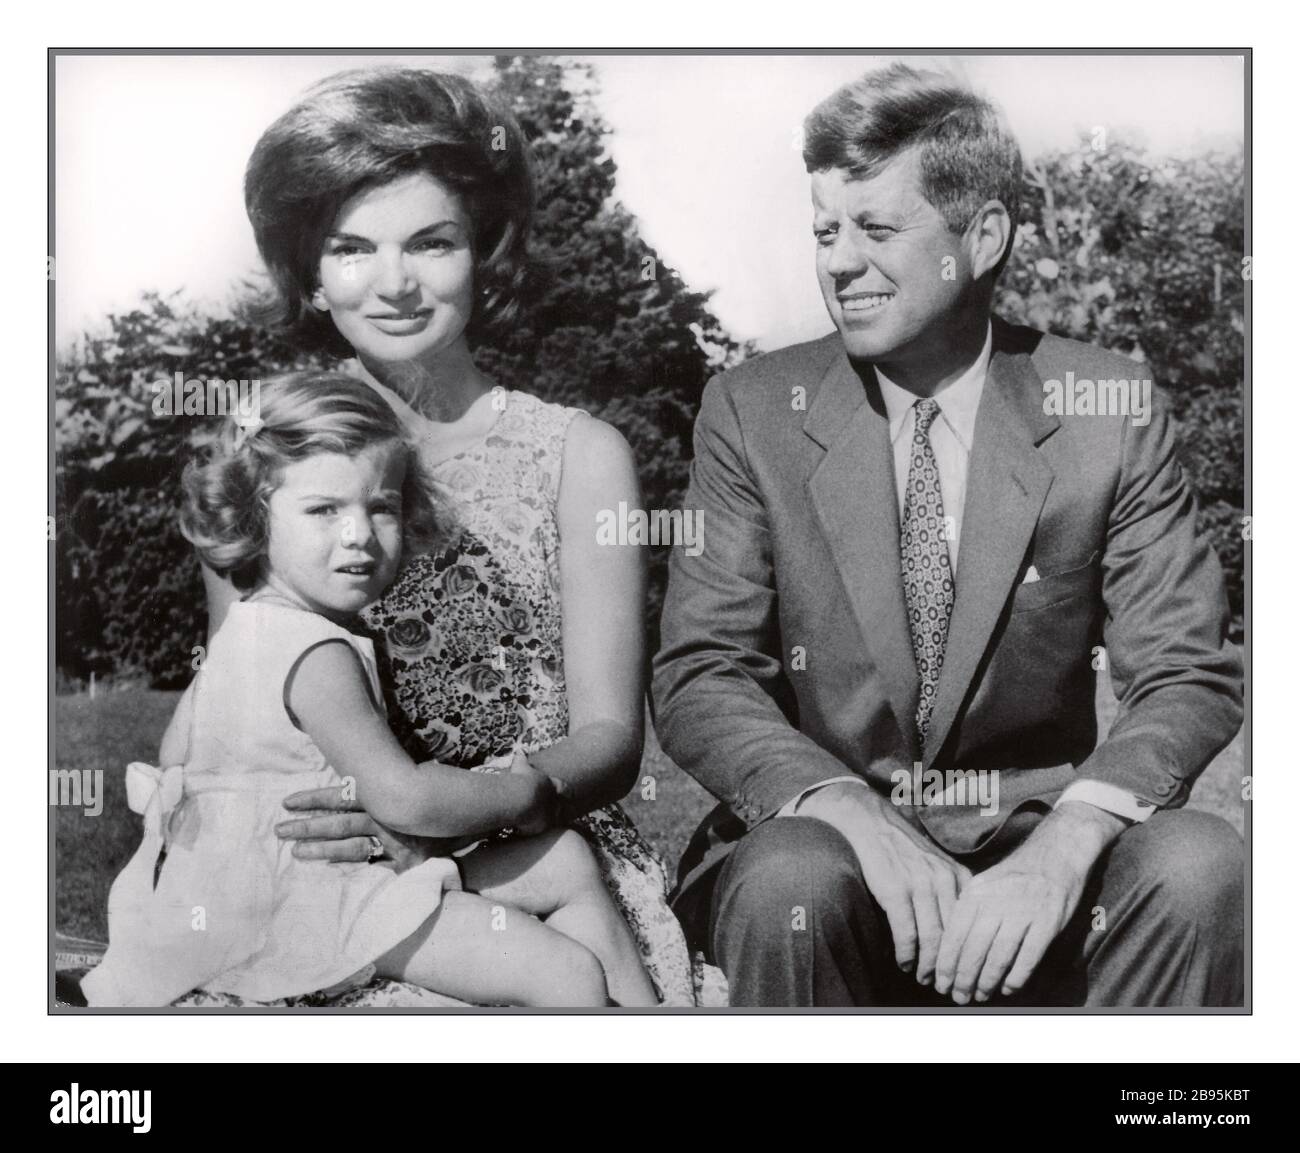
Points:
(927, 573)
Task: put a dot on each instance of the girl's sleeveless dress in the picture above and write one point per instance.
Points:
(469, 646)
(233, 911)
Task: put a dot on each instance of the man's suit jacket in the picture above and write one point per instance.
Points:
(786, 657)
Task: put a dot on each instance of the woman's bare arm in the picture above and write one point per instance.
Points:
(602, 592)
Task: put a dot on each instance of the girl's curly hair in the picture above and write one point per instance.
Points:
(234, 469)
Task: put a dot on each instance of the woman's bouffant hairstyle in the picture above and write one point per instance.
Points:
(966, 151)
(362, 129)
(228, 481)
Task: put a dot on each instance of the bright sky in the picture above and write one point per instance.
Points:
(150, 154)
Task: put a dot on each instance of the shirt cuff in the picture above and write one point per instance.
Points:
(791, 807)
(1109, 797)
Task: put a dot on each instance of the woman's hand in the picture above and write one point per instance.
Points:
(334, 827)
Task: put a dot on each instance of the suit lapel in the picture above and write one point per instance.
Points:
(1006, 486)
(853, 493)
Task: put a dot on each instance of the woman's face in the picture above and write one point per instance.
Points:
(397, 270)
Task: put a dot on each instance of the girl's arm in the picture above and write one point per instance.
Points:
(329, 697)
(602, 593)
(347, 831)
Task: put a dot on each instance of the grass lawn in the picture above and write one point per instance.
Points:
(115, 728)
(125, 725)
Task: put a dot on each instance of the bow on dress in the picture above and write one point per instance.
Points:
(154, 793)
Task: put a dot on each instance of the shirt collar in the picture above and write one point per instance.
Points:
(958, 403)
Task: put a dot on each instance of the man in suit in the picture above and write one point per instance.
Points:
(922, 534)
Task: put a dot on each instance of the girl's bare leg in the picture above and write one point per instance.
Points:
(486, 952)
(555, 876)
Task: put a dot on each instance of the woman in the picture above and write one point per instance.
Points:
(391, 208)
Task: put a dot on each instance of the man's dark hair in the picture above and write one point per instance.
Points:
(966, 152)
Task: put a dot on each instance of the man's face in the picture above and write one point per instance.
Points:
(881, 249)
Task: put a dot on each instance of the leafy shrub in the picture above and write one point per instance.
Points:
(129, 596)
(1145, 258)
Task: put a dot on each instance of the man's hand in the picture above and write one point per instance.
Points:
(911, 879)
(1008, 915)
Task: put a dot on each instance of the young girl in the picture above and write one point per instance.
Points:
(311, 509)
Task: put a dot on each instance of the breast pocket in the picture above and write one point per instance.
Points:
(1056, 588)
